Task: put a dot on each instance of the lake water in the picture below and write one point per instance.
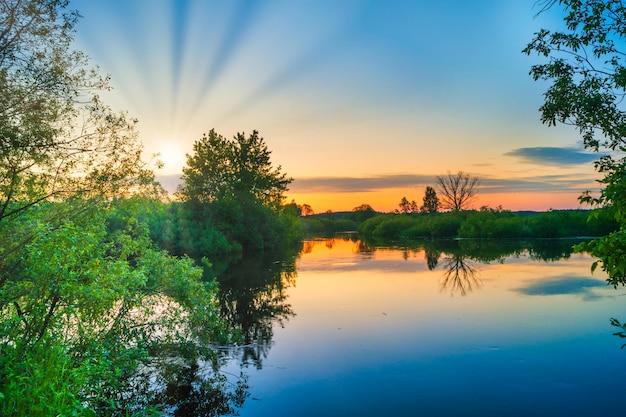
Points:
(363, 331)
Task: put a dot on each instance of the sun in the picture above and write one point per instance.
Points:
(172, 156)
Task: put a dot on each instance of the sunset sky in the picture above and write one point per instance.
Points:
(359, 101)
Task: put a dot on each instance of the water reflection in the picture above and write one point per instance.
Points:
(564, 286)
(373, 329)
(459, 275)
(459, 260)
(201, 389)
(432, 258)
(252, 300)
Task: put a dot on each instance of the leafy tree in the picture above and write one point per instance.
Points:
(431, 201)
(363, 212)
(87, 304)
(232, 186)
(407, 207)
(587, 85)
(457, 190)
(89, 307)
(57, 139)
(239, 169)
(307, 210)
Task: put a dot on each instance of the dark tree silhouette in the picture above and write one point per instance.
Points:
(407, 207)
(431, 201)
(459, 275)
(457, 190)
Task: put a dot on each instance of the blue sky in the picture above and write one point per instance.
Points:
(360, 101)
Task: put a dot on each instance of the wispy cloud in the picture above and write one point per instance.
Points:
(539, 183)
(554, 156)
(488, 185)
(543, 183)
(359, 184)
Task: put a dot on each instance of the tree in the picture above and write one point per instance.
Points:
(457, 190)
(363, 212)
(587, 86)
(407, 207)
(307, 210)
(87, 304)
(239, 169)
(431, 201)
(57, 139)
(90, 309)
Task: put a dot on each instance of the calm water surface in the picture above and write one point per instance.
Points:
(358, 331)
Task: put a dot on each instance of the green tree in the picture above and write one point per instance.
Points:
(457, 190)
(89, 307)
(57, 139)
(232, 186)
(586, 78)
(431, 201)
(87, 303)
(239, 169)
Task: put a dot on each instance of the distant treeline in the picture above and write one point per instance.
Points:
(333, 222)
(488, 224)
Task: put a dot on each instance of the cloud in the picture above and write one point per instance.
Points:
(541, 183)
(554, 156)
(488, 185)
(358, 184)
(564, 286)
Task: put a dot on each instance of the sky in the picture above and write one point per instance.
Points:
(360, 101)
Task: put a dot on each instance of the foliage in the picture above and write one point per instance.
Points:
(430, 202)
(622, 332)
(489, 224)
(94, 319)
(401, 227)
(57, 139)
(323, 225)
(239, 169)
(457, 190)
(362, 213)
(90, 312)
(587, 85)
(493, 224)
(232, 201)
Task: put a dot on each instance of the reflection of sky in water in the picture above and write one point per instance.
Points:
(377, 335)
(564, 285)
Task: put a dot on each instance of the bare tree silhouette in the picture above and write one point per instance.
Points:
(459, 275)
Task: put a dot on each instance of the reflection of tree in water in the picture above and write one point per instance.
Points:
(197, 390)
(432, 258)
(409, 252)
(252, 299)
(462, 257)
(307, 246)
(551, 249)
(459, 275)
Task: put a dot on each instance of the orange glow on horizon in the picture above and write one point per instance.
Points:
(388, 200)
